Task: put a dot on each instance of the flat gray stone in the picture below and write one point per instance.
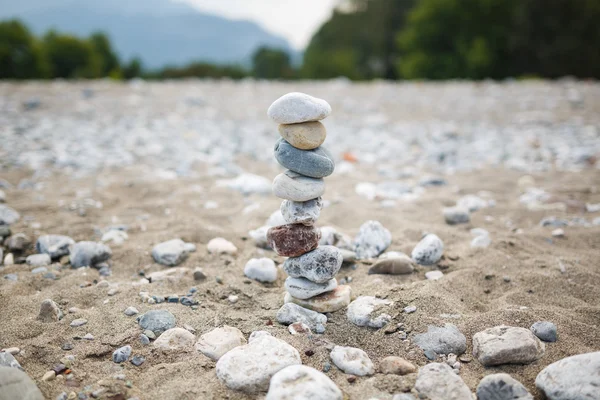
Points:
(442, 340)
(319, 265)
(87, 254)
(157, 321)
(438, 381)
(507, 345)
(502, 387)
(38, 260)
(302, 288)
(295, 107)
(54, 245)
(572, 378)
(369, 311)
(17, 385)
(316, 163)
(121, 354)
(293, 186)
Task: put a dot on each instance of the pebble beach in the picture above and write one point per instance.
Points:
(436, 240)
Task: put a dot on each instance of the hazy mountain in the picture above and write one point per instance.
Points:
(161, 32)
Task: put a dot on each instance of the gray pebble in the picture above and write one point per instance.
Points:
(502, 387)
(157, 321)
(456, 215)
(121, 354)
(293, 186)
(39, 270)
(11, 277)
(301, 212)
(172, 252)
(290, 313)
(4, 231)
(442, 340)
(49, 311)
(372, 240)
(87, 254)
(18, 242)
(8, 216)
(54, 245)
(429, 250)
(38, 260)
(131, 311)
(544, 330)
(144, 340)
(137, 360)
(302, 288)
(316, 163)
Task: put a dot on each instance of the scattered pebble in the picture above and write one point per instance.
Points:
(130, 311)
(369, 311)
(429, 250)
(18, 242)
(55, 246)
(396, 365)
(438, 381)
(174, 340)
(50, 312)
(410, 309)
(172, 252)
(8, 216)
(261, 269)
(290, 313)
(137, 360)
(456, 215)
(442, 340)
(352, 361)
(434, 275)
(121, 354)
(156, 321)
(482, 238)
(574, 377)
(300, 382)
(221, 246)
(502, 387)
(219, 341)
(507, 345)
(84, 254)
(250, 367)
(372, 240)
(78, 322)
(393, 266)
(545, 331)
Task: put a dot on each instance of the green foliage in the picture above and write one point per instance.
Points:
(109, 61)
(358, 41)
(202, 70)
(270, 63)
(71, 57)
(21, 56)
(133, 69)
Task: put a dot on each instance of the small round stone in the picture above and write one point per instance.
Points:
(87, 254)
(352, 361)
(293, 240)
(502, 387)
(121, 354)
(131, 311)
(157, 321)
(544, 330)
(372, 239)
(456, 215)
(293, 186)
(316, 163)
(429, 250)
(261, 269)
(299, 382)
(49, 311)
(319, 265)
(171, 253)
(304, 136)
(295, 107)
(396, 365)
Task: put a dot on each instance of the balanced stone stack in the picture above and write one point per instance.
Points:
(311, 268)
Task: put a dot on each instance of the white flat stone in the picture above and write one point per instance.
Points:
(295, 107)
(352, 361)
(219, 341)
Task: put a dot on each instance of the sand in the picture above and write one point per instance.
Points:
(472, 294)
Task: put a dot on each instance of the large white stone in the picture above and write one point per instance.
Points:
(352, 361)
(249, 368)
(369, 311)
(507, 345)
(438, 381)
(175, 339)
(295, 107)
(575, 377)
(299, 382)
(219, 341)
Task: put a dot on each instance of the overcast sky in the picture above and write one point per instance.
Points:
(296, 20)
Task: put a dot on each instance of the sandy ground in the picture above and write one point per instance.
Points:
(472, 294)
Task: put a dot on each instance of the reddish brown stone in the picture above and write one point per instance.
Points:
(293, 240)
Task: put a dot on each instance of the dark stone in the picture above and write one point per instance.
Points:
(293, 240)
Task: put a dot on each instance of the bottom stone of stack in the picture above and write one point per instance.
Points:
(326, 302)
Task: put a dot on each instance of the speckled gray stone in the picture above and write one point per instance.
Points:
(301, 212)
(372, 240)
(438, 381)
(319, 265)
(544, 330)
(429, 250)
(507, 345)
(8, 215)
(369, 311)
(502, 387)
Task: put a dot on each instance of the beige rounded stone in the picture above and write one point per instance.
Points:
(396, 365)
(304, 136)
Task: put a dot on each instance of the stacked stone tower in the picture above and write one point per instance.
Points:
(311, 268)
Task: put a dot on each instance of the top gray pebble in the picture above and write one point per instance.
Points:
(294, 108)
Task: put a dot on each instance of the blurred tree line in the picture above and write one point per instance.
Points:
(363, 39)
